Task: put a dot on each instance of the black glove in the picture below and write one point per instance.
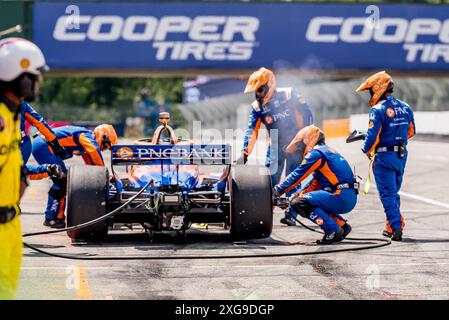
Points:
(55, 171)
(243, 159)
(57, 148)
(282, 203)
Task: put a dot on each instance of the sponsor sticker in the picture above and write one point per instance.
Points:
(25, 63)
(390, 112)
(125, 153)
(268, 119)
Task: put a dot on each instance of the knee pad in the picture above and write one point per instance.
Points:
(302, 206)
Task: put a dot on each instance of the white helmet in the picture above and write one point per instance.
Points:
(18, 56)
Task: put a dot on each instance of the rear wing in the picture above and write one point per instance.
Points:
(217, 154)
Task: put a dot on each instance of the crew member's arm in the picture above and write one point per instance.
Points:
(252, 132)
(37, 121)
(311, 163)
(411, 127)
(373, 133)
(92, 155)
(36, 171)
(312, 185)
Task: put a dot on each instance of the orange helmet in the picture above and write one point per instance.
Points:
(259, 79)
(105, 136)
(377, 84)
(307, 138)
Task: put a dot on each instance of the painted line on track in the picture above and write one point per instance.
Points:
(424, 199)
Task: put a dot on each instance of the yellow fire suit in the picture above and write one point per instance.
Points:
(10, 181)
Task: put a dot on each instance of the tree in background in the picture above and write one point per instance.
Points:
(104, 98)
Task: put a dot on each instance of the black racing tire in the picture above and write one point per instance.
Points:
(86, 200)
(251, 202)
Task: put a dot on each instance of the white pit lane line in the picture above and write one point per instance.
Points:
(423, 199)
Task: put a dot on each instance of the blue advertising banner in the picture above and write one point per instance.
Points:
(227, 36)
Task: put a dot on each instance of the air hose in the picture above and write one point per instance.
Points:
(382, 243)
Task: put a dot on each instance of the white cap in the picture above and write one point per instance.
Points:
(18, 56)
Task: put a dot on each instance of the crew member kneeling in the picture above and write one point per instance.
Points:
(331, 192)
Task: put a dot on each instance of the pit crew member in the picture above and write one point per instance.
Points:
(76, 141)
(281, 109)
(332, 190)
(391, 124)
(21, 66)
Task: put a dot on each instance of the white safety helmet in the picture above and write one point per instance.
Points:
(19, 56)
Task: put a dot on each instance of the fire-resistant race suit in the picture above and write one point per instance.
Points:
(287, 112)
(391, 124)
(330, 193)
(22, 65)
(10, 175)
(75, 140)
(37, 121)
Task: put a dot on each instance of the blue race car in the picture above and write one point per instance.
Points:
(176, 194)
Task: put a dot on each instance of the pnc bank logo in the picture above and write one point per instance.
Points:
(125, 153)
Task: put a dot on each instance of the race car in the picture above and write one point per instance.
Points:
(177, 194)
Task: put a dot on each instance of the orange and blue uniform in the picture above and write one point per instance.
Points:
(37, 121)
(330, 193)
(74, 139)
(391, 124)
(287, 112)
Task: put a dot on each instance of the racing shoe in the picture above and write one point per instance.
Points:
(387, 234)
(330, 238)
(54, 223)
(346, 230)
(396, 235)
(289, 221)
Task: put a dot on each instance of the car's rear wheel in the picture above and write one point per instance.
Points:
(251, 204)
(86, 200)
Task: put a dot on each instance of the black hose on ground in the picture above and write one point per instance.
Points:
(382, 243)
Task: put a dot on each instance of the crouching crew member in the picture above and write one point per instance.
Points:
(331, 192)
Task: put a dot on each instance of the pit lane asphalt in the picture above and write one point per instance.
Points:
(416, 268)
